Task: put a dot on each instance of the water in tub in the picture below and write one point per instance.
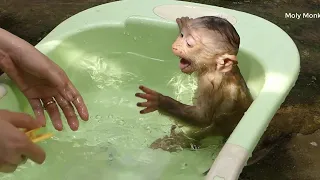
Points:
(113, 144)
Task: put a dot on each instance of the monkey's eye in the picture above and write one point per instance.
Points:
(190, 41)
(181, 34)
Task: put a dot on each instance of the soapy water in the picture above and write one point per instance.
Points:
(113, 144)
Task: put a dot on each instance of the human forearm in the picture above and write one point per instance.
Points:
(11, 44)
(24, 54)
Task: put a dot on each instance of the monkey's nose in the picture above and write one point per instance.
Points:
(174, 49)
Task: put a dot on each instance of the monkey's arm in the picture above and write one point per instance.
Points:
(191, 115)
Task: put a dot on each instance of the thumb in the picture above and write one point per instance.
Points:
(20, 120)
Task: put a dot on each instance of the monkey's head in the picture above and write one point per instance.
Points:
(206, 43)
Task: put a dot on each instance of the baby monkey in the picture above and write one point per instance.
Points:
(206, 46)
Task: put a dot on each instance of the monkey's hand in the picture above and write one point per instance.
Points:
(182, 113)
(152, 98)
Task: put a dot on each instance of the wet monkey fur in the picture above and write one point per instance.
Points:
(208, 47)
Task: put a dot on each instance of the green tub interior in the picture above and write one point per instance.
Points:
(107, 64)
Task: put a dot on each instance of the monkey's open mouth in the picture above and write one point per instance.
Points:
(184, 63)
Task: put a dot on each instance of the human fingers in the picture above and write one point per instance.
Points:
(81, 108)
(19, 120)
(33, 152)
(38, 110)
(68, 111)
(25, 121)
(51, 107)
(70, 93)
(15, 159)
(8, 168)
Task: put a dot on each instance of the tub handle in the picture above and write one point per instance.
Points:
(229, 163)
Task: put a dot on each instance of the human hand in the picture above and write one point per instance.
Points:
(152, 97)
(43, 82)
(15, 146)
(40, 89)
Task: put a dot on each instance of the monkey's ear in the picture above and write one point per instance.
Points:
(226, 62)
(178, 20)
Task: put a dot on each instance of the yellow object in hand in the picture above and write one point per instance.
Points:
(37, 138)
